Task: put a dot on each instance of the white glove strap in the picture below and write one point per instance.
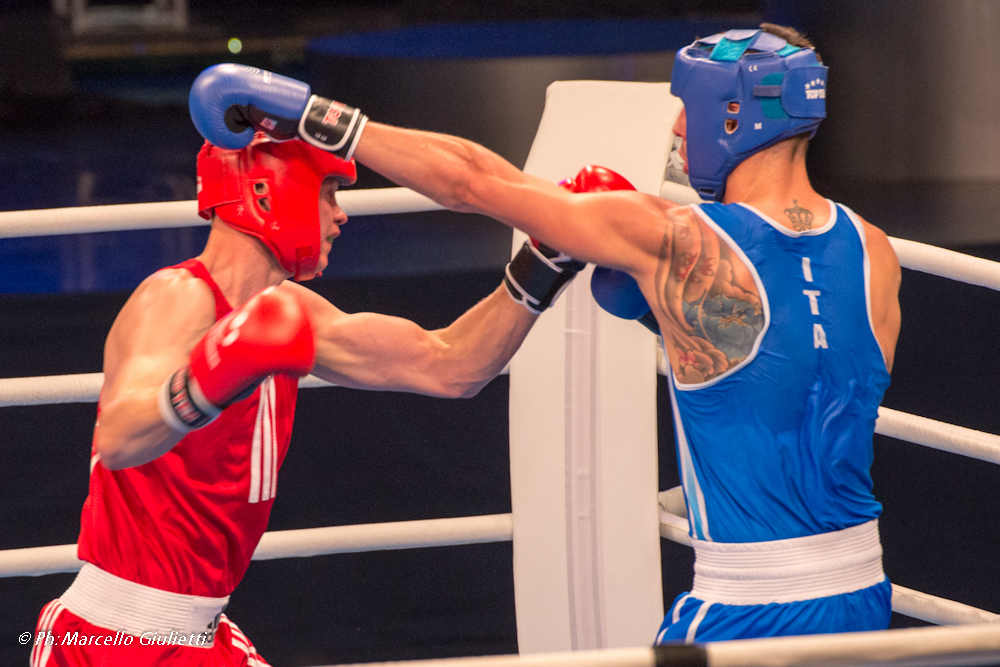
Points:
(182, 405)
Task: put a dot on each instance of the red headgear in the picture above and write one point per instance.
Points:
(270, 190)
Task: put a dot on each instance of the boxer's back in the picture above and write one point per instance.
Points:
(780, 445)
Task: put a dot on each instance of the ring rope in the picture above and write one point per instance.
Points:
(944, 647)
(86, 388)
(947, 263)
(383, 201)
(119, 217)
(78, 388)
(938, 435)
(39, 561)
(938, 611)
(966, 645)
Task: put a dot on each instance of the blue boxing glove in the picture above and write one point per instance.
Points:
(228, 103)
(617, 292)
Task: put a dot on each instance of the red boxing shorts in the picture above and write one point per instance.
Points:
(63, 639)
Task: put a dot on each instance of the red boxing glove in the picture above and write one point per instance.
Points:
(271, 333)
(538, 274)
(596, 179)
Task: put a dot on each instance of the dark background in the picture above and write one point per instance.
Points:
(100, 118)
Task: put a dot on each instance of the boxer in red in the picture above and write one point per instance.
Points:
(201, 373)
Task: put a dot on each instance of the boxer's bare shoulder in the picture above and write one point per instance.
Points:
(697, 272)
(879, 248)
(157, 327)
(886, 276)
(324, 314)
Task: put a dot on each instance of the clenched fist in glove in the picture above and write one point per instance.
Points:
(270, 333)
(538, 274)
(228, 103)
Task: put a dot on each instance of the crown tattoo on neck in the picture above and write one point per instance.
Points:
(801, 218)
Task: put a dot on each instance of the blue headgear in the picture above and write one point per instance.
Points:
(780, 91)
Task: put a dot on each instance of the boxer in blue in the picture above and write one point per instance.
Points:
(778, 311)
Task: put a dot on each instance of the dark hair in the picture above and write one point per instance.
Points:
(790, 35)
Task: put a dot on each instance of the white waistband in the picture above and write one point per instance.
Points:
(801, 568)
(114, 603)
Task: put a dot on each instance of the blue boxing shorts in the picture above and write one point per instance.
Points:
(801, 586)
(691, 619)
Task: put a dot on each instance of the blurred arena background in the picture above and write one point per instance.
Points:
(93, 111)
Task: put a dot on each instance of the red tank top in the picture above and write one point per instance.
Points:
(189, 521)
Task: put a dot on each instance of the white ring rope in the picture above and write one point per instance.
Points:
(938, 611)
(51, 389)
(84, 219)
(938, 435)
(966, 645)
(81, 388)
(947, 263)
(385, 536)
(383, 201)
(86, 388)
(38, 561)
(944, 647)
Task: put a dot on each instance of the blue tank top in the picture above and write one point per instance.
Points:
(780, 446)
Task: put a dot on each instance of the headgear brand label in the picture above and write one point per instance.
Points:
(333, 113)
(816, 90)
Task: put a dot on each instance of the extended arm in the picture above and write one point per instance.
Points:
(618, 230)
(372, 351)
(615, 229)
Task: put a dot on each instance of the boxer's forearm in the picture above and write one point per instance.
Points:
(483, 340)
(131, 431)
(440, 166)
(374, 351)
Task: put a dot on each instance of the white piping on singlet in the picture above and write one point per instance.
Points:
(792, 570)
(697, 513)
(791, 232)
(859, 226)
(761, 292)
